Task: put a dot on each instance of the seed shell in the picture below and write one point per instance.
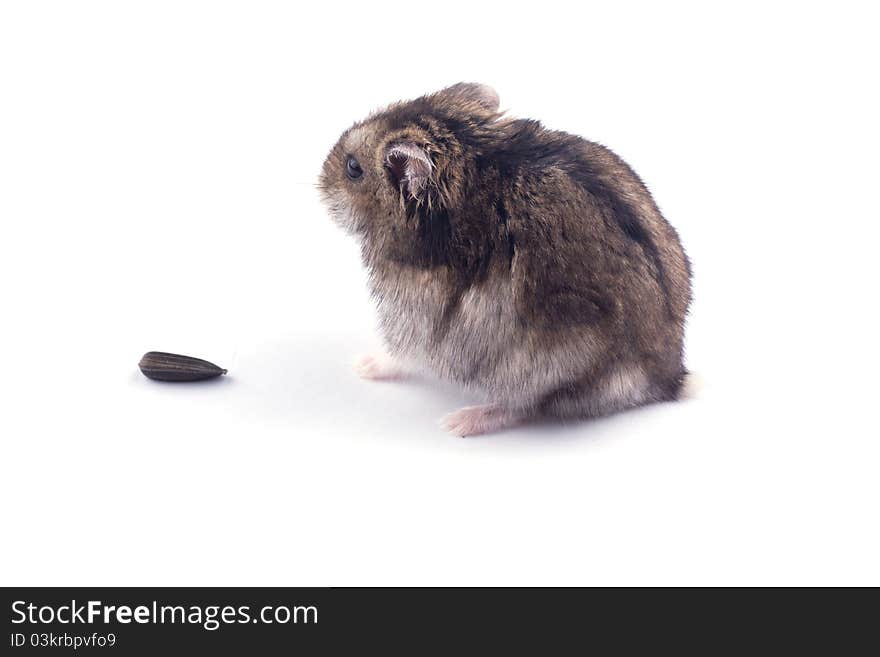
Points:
(162, 366)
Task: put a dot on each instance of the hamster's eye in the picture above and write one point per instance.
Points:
(353, 168)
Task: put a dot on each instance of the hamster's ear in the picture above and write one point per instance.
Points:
(479, 97)
(410, 168)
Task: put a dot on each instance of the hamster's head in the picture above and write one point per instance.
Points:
(407, 160)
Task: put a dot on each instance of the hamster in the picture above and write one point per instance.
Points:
(527, 264)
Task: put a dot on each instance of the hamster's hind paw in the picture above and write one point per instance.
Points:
(475, 420)
(378, 367)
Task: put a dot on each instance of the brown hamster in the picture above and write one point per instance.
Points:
(525, 263)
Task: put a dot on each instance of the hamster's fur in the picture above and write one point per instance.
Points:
(525, 263)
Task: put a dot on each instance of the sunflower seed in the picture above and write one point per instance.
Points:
(173, 367)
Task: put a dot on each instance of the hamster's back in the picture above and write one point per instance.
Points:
(525, 149)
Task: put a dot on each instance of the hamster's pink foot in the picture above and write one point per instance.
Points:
(474, 420)
(378, 367)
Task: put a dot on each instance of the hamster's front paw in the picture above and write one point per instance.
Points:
(378, 367)
(474, 420)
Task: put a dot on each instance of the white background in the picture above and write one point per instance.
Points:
(157, 191)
